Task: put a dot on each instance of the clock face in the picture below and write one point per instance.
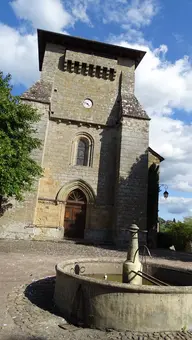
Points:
(87, 103)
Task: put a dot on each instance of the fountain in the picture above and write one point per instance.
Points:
(132, 265)
(110, 293)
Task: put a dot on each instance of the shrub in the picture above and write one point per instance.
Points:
(164, 240)
(180, 233)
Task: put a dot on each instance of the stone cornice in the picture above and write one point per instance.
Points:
(87, 46)
(68, 121)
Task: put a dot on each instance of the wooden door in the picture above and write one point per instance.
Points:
(75, 215)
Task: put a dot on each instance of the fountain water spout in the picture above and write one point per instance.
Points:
(145, 248)
(132, 265)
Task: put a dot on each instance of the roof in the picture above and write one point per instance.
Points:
(156, 154)
(132, 108)
(40, 92)
(89, 46)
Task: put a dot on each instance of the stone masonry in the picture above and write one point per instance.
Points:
(115, 180)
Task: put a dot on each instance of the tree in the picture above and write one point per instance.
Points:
(18, 170)
(161, 220)
(176, 233)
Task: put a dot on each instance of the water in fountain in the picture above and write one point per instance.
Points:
(132, 271)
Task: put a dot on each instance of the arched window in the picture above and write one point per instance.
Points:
(82, 152)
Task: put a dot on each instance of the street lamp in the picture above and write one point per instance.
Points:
(165, 194)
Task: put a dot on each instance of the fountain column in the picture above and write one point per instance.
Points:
(132, 265)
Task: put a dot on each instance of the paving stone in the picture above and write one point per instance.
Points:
(25, 297)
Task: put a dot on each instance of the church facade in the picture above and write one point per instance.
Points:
(95, 145)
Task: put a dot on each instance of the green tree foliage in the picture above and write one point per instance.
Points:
(180, 233)
(18, 169)
(161, 220)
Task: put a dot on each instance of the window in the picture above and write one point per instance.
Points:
(82, 152)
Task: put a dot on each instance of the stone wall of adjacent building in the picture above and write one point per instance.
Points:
(153, 198)
(152, 159)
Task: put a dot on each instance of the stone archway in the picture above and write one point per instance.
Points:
(75, 214)
(78, 197)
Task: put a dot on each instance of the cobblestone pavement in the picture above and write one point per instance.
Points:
(27, 270)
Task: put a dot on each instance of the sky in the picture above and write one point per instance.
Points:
(163, 79)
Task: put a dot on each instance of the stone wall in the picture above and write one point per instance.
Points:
(17, 222)
(116, 180)
(70, 88)
(152, 159)
(59, 170)
(68, 118)
(131, 191)
(153, 198)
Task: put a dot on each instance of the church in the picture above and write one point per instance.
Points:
(95, 146)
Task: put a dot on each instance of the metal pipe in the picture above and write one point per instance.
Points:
(162, 283)
(150, 278)
(145, 248)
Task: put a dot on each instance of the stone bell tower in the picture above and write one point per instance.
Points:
(94, 143)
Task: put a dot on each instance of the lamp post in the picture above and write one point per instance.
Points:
(165, 186)
(165, 194)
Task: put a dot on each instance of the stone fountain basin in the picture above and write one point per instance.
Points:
(105, 305)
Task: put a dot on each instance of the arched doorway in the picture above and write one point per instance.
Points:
(75, 214)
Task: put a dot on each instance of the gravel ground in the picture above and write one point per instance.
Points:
(27, 270)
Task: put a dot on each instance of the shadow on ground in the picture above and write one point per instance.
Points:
(159, 252)
(69, 246)
(41, 292)
(171, 255)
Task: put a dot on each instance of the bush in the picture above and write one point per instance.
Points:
(180, 233)
(164, 240)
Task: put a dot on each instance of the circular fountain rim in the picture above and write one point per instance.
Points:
(60, 267)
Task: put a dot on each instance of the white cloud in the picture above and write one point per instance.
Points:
(18, 55)
(19, 49)
(161, 86)
(141, 12)
(171, 84)
(172, 139)
(54, 15)
(79, 12)
(130, 14)
(131, 34)
(164, 87)
(178, 206)
(79, 9)
(45, 14)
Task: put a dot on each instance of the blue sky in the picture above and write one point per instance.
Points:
(163, 79)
